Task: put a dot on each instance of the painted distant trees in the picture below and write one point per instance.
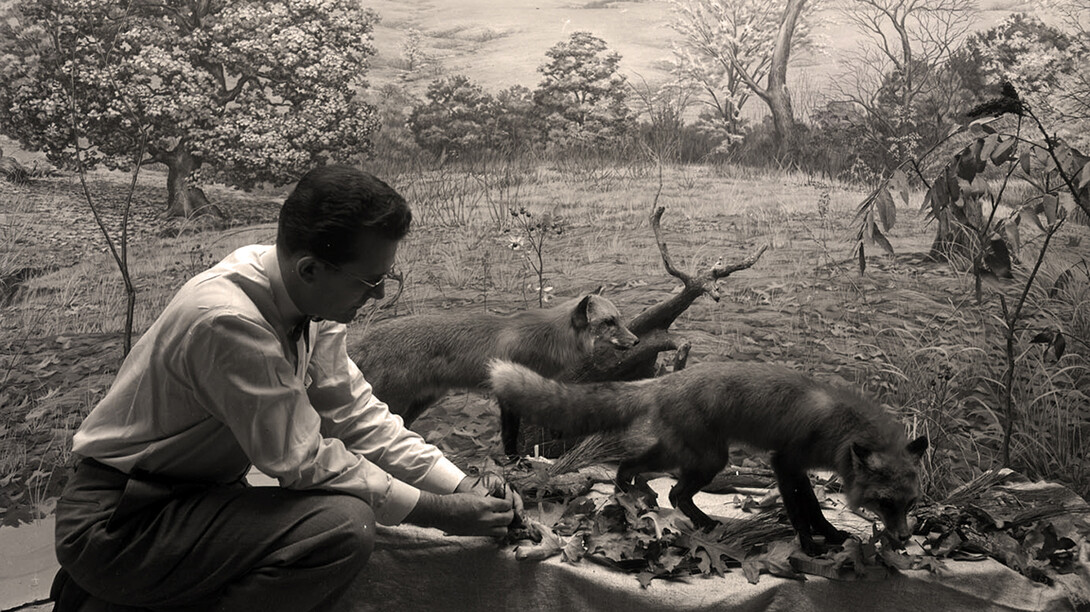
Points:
(901, 72)
(582, 101)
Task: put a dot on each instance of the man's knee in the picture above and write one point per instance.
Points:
(352, 523)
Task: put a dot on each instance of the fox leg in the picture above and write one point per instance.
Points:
(803, 509)
(509, 430)
(681, 495)
(650, 460)
(417, 406)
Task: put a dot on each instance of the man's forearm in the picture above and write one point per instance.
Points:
(429, 510)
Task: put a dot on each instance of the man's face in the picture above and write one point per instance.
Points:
(337, 292)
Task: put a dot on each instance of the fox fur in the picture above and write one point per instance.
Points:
(695, 413)
(413, 361)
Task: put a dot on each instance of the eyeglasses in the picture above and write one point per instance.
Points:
(372, 286)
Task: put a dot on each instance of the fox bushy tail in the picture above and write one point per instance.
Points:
(569, 408)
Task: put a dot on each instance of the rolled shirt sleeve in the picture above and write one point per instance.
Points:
(336, 436)
(351, 412)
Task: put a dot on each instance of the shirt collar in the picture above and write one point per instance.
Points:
(290, 315)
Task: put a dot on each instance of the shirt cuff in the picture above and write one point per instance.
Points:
(400, 501)
(442, 478)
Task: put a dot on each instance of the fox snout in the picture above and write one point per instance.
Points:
(897, 527)
(626, 341)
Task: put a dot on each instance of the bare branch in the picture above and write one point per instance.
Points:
(656, 218)
(721, 271)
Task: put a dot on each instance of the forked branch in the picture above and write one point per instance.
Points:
(662, 315)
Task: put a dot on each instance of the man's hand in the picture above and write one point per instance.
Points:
(468, 513)
(493, 485)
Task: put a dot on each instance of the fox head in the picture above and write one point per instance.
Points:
(886, 483)
(601, 321)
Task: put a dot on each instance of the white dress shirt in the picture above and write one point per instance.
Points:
(218, 383)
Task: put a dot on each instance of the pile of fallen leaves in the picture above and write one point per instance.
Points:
(1033, 528)
(629, 532)
(1038, 529)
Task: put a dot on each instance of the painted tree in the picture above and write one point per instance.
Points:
(244, 92)
(519, 125)
(412, 50)
(1048, 66)
(731, 47)
(726, 50)
(898, 72)
(456, 117)
(1075, 87)
(582, 95)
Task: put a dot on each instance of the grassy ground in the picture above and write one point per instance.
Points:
(909, 331)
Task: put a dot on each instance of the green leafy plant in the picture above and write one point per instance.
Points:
(965, 202)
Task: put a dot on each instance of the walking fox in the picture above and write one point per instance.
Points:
(413, 361)
(694, 413)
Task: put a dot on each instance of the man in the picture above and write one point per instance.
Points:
(247, 366)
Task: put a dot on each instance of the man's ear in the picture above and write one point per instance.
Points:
(580, 317)
(306, 268)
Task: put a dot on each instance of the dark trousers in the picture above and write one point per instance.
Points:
(146, 543)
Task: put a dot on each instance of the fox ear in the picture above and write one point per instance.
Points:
(917, 447)
(580, 317)
(860, 455)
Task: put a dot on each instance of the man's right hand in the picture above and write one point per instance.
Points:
(463, 514)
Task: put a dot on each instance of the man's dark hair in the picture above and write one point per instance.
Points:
(331, 205)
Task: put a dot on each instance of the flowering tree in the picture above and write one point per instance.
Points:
(246, 92)
(726, 46)
(582, 95)
(1046, 65)
(729, 47)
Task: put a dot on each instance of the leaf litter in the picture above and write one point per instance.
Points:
(1038, 529)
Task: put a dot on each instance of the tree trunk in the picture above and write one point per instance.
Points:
(180, 164)
(950, 240)
(779, 98)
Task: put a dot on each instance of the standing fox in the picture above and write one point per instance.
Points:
(413, 361)
(694, 413)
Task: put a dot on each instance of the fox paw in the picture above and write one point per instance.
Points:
(836, 537)
(708, 527)
(816, 548)
(812, 548)
(705, 523)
